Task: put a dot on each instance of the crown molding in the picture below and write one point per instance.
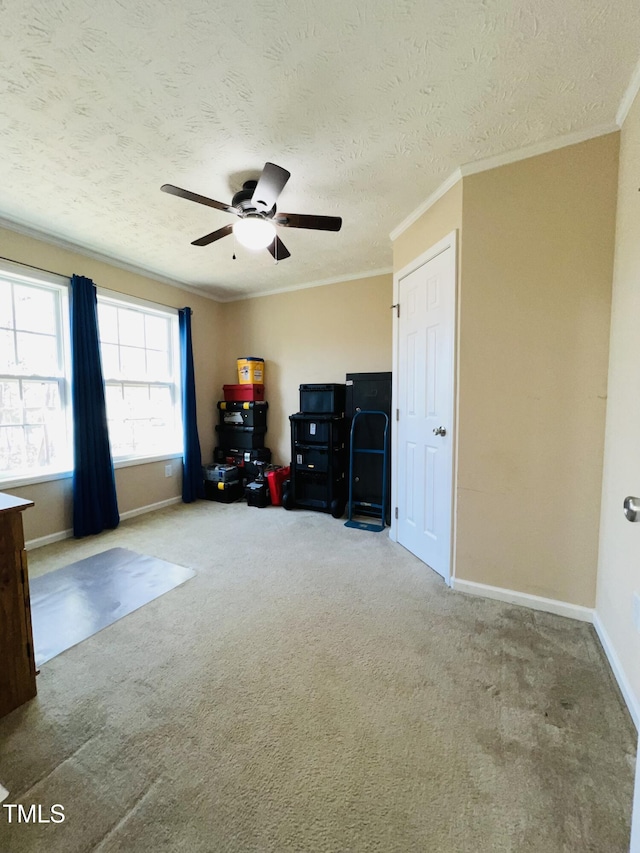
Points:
(629, 96)
(321, 283)
(537, 149)
(502, 160)
(67, 245)
(444, 187)
(29, 231)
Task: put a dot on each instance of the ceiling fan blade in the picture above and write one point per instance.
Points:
(300, 220)
(278, 249)
(201, 199)
(215, 235)
(270, 184)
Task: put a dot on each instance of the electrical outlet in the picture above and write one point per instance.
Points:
(636, 610)
(168, 470)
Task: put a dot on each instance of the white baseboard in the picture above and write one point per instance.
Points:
(572, 611)
(633, 701)
(141, 510)
(523, 599)
(48, 540)
(68, 534)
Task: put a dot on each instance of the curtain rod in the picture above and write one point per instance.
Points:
(62, 275)
(32, 267)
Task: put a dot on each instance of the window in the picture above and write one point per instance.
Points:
(35, 431)
(140, 363)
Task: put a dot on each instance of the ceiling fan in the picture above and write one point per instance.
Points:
(255, 205)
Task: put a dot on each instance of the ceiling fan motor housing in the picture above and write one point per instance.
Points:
(243, 200)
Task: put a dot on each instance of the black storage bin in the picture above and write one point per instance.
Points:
(323, 399)
(224, 493)
(250, 414)
(315, 458)
(257, 494)
(237, 438)
(317, 429)
(221, 473)
(314, 490)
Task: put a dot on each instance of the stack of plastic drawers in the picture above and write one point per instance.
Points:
(318, 450)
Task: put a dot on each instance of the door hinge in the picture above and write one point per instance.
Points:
(397, 307)
(396, 513)
(397, 414)
(29, 650)
(22, 576)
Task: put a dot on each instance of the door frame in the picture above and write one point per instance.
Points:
(450, 241)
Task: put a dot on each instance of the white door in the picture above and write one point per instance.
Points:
(425, 410)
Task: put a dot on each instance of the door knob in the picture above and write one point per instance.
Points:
(442, 431)
(632, 508)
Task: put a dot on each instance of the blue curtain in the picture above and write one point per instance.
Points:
(95, 505)
(192, 483)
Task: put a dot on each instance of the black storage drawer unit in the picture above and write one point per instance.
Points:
(224, 493)
(323, 399)
(316, 458)
(317, 429)
(235, 438)
(314, 490)
(250, 414)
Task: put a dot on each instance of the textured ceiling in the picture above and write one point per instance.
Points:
(370, 105)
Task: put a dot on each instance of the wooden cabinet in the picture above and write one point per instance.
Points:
(17, 663)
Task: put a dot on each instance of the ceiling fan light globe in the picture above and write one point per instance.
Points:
(254, 232)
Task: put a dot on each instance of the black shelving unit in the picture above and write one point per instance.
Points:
(319, 451)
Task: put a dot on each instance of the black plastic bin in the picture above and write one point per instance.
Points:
(323, 399)
(317, 428)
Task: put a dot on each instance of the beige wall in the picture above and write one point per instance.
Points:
(619, 561)
(535, 257)
(441, 219)
(313, 335)
(139, 485)
(536, 266)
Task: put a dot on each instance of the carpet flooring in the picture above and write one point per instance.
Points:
(316, 688)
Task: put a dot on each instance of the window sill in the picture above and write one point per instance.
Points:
(33, 479)
(145, 460)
